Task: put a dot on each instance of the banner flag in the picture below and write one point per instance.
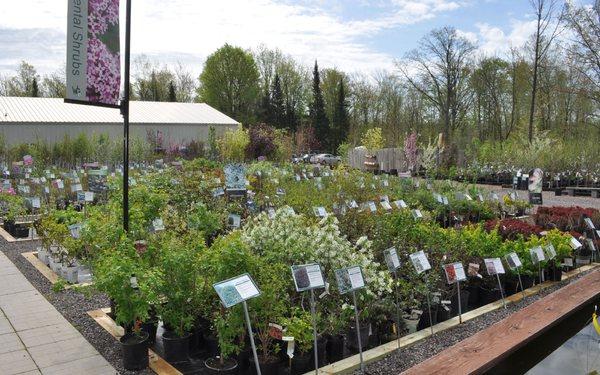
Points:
(93, 52)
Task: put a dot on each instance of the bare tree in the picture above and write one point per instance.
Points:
(584, 21)
(547, 28)
(441, 74)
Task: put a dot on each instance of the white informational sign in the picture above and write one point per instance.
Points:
(35, 202)
(400, 204)
(320, 211)
(494, 266)
(236, 290)
(589, 223)
(371, 206)
(513, 261)
(568, 262)
(76, 187)
(158, 225)
(308, 276)
(386, 205)
(537, 254)
(234, 221)
(352, 204)
(454, 272)
(417, 214)
(420, 261)
(575, 244)
(550, 251)
(391, 259)
(349, 279)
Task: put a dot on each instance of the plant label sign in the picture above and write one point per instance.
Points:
(320, 211)
(568, 262)
(513, 261)
(236, 290)
(76, 187)
(391, 259)
(417, 214)
(59, 184)
(454, 272)
(494, 266)
(234, 221)
(575, 244)
(589, 223)
(218, 192)
(591, 245)
(537, 254)
(158, 225)
(349, 279)
(371, 206)
(307, 277)
(386, 205)
(35, 202)
(75, 230)
(400, 204)
(550, 251)
(352, 204)
(420, 261)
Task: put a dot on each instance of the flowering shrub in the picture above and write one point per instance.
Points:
(262, 141)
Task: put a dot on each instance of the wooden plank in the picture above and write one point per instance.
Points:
(480, 352)
(40, 266)
(7, 236)
(156, 362)
(352, 363)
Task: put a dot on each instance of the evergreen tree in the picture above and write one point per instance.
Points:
(277, 104)
(341, 125)
(35, 92)
(264, 107)
(291, 117)
(318, 118)
(172, 94)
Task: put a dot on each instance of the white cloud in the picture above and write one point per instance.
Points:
(494, 41)
(192, 29)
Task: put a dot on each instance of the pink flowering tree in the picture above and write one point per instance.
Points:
(411, 151)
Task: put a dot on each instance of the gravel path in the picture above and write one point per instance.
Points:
(73, 305)
(407, 357)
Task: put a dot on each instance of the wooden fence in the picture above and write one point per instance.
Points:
(388, 158)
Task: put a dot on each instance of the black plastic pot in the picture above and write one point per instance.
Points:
(213, 366)
(211, 345)
(352, 339)
(243, 360)
(335, 348)
(150, 328)
(270, 367)
(487, 296)
(301, 363)
(424, 319)
(321, 351)
(464, 302)
(177, 349)
(135, 351)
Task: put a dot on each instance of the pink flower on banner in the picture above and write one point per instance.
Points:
(103, 73)
(101, 13)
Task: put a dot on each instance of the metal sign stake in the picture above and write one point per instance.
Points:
(501, 291)
(520, 282)
(429, 305)
(459, 305)
(397, 309)
(251, 338)
(314, 319)
(362, 364)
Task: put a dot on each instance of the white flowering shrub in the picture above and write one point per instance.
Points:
(291, 239)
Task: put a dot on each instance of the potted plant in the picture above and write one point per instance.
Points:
(178, 262)
(132, 286)
(299, 327)
(227, 257)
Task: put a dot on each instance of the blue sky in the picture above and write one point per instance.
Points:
(353, 35)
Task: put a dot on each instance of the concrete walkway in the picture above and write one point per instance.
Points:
(35, 338)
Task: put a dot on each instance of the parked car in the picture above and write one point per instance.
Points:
(307, 158)
(327, 159)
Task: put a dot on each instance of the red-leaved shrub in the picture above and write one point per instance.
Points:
(510, 229)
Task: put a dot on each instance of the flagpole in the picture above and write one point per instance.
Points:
(125, 113)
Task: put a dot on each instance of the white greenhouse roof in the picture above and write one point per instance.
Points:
(55, 110)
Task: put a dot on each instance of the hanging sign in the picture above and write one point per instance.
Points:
(236, 290)
(494, 266)
(93, 53)
(454, 272)
(513, 261)
(420, 261)
(349, 279)
(391, 259)
(307, 277)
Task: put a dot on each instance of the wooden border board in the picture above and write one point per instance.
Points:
(9, 238)
(352, 363)
(482, 351)
(156, 362)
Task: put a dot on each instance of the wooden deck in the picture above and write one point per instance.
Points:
(482, 351)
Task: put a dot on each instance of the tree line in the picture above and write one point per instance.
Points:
(550, 86)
